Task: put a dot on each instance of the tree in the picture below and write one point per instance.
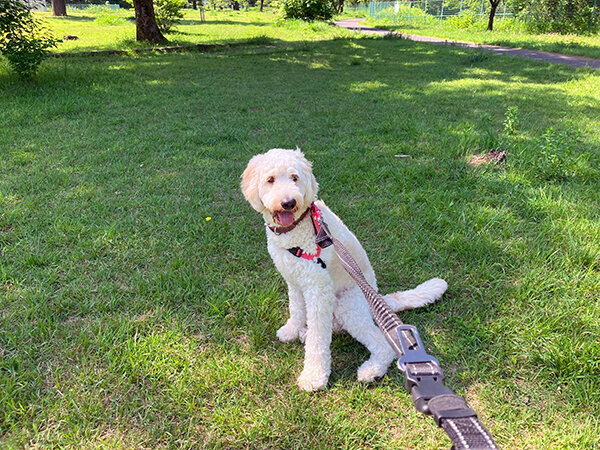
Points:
(146, 28)
(494, 4)
(59, 8)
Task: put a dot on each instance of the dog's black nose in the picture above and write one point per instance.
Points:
(289, 204)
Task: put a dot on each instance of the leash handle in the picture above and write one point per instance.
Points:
(423, 374)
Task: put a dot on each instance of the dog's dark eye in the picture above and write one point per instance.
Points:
(271, 180)
(294, 178)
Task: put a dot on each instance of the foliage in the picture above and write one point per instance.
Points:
(511, 119)
(22, 40)
(307, 10)
(559, 16)
(557, 157)
(168, 13)
(405, 14)
(466, 20)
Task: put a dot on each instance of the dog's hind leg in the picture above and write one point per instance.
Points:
(423, 294)
(352, 312)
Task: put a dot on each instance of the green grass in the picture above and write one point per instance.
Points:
(127, 319)
(570, 44)
(103, 29)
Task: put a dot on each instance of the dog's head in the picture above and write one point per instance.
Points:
(280, 185)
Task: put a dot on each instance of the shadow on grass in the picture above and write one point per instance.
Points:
(223, 22)
(68, 18)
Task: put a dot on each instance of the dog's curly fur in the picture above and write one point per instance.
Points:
(320, 300)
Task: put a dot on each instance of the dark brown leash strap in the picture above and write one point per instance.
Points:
(423, 374)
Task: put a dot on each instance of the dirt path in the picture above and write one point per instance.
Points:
(556, 58)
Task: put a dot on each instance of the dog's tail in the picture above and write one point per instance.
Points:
(422, 295)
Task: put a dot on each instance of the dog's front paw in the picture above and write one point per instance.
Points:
(290, 332)
(311, 381)
(371, 371)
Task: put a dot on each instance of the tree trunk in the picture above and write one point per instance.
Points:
(261, 5)
(492, 14)
(145, 22)
(341, 6)
(194, 4)
(59, 8)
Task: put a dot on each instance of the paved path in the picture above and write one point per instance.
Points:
(556, 58)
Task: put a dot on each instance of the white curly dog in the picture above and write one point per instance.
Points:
(322, 297)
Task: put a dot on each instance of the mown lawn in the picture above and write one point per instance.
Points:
(99, 28)
(138, 304)
(570, 44)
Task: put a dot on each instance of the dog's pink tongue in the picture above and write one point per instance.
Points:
(285, 218)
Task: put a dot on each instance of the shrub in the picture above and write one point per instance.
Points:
(168, 13)
(22, 40)
(307, 10)
(404, 14)
(463, 21)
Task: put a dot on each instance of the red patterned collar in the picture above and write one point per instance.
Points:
(282, 230)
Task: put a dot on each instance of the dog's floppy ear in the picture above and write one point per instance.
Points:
(250, 183)
(311, 181)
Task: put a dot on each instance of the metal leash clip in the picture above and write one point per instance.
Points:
(427, 383)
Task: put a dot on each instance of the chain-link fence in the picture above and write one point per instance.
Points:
(431, 10)
(550, 15)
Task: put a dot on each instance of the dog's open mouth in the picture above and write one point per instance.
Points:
(284, 218)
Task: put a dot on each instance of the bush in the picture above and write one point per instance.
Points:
(168, 13)
(464, 21)
(469, 20)
(22, 40)
(404, 15)
(307, 10)
(570, 16)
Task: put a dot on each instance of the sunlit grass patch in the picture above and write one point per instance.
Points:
(99, 28)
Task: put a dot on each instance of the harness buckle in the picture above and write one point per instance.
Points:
(323, 238)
